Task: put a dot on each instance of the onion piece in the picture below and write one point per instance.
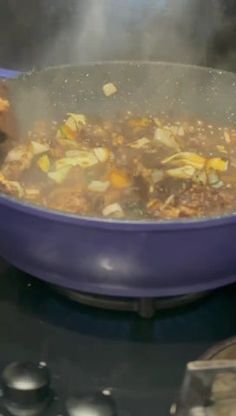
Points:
(75, 121)
(157, 175)
(214, 180)
(71, 126)
(17, 153)
(59, 175)
(166, 138)
(140, 143)
(12, 187)
(99, 186)
(114, 210)
(84, 159)
(221, 149)
(227, 137)
(31, 193)
(72, 153)
(39, 148)
(167, 202)
(109, 89)
(183, 172)
(101, 153)
(200, 177)
(186, 158)
(176, 130)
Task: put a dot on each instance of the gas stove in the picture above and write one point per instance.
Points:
(117, 359)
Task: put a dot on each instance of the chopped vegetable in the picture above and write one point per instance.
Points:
(217, 164)
(18, 153)
(200, 177)
(109, 89)
(113, 210)
(184, 172)
(72, 153)
(39, 148)
(84, 159)
(227, 137)
(157, 175)
(44, 163)
(214, 180)
(101, 153)
(66, 132)
(31, 193)
(176, 130)
(140, 143)
(11, 187)
(166, 138)
(157, 121)
(186, 158)
(99, 186)
(75, 121)
(221, 149)
(59, 175)
(119, 179)
(168, 201)
(197, 161)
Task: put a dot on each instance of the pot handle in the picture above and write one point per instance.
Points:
(9, 73)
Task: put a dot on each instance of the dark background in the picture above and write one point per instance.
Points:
(37, 33)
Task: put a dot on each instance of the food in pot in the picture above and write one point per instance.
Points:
(128, 168)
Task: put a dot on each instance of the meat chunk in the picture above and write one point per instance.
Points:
(69, 201)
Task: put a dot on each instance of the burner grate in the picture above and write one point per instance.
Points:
(144, 307)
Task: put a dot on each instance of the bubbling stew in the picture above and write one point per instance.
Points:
(131, 167)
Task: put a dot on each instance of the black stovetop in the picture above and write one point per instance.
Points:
(142, 361)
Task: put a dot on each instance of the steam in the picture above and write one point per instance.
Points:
(179, 31)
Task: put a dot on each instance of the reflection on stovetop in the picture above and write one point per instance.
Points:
(141, 360)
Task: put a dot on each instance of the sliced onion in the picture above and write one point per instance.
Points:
(13, 187)
(84, 159)
(114, 210)
(186, 158)
(166, 138)
(75, 121)
(72, 153)
(59, 175)
(157, 175)
(214, 180)
(200, 177)
(101, 153)
(39, 148)
(99, 186)
(140, 143)
(17, 154)
(184, 172)
(32, 192)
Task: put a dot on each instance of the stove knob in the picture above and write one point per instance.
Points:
(25, 385)
(95, 404)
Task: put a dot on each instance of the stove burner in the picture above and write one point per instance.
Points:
(145, 307)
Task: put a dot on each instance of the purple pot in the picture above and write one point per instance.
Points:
(121, 258)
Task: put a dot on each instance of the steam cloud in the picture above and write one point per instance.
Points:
(172, 30)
